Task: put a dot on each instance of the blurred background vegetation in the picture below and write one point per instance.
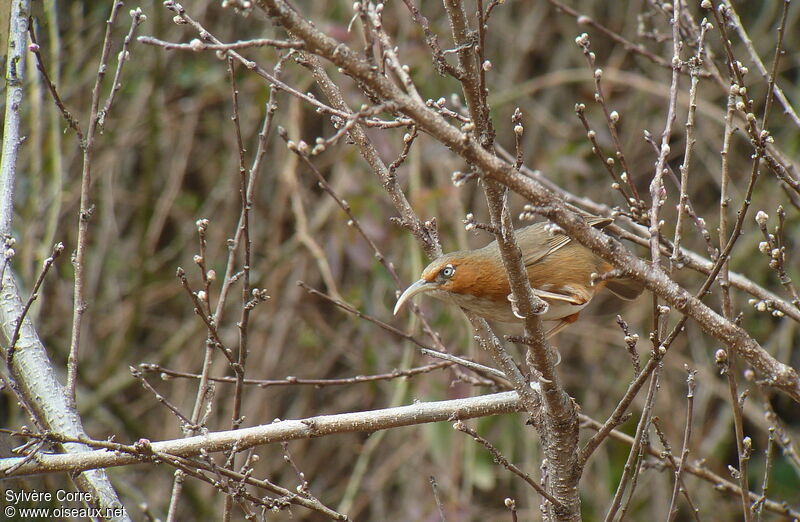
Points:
(168, 157)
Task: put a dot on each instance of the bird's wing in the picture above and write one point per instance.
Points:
(542, 239)
(539, 240)
(575, 295)
(567, 298)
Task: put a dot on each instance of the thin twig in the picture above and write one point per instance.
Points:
(500, 459)
(628, 45)
(185, 421)
(782, 437)
(65, 113)
(760, 137)
(608, 163)
(86, 209)
(12, 345)
(633, 464)
(241, 356)
(480, 368)
(273, 80)
(694, 64)
(687, 433)
(618, 416)
(774, 248)
(123, 56)
(425, 349)
(439, 505)
(200, 301)
(167, 373)
(198, 45)
(758, 505)
(667, 455)
(756, 59)
(612, 119)
(720, 484)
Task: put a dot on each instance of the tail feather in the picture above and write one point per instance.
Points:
(627, 289)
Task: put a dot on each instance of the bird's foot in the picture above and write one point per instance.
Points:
(518, 314)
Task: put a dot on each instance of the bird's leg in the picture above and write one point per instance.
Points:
(515, 310)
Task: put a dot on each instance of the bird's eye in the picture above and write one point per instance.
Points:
(448, 271)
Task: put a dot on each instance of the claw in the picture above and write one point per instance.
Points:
(515, 309)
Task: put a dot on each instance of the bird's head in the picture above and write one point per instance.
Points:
(455, 274)
(442, 275)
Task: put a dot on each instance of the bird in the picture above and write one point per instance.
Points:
(561, 271)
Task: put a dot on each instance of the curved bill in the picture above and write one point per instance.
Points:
(416, 288)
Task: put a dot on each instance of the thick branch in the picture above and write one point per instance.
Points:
(245, 438)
